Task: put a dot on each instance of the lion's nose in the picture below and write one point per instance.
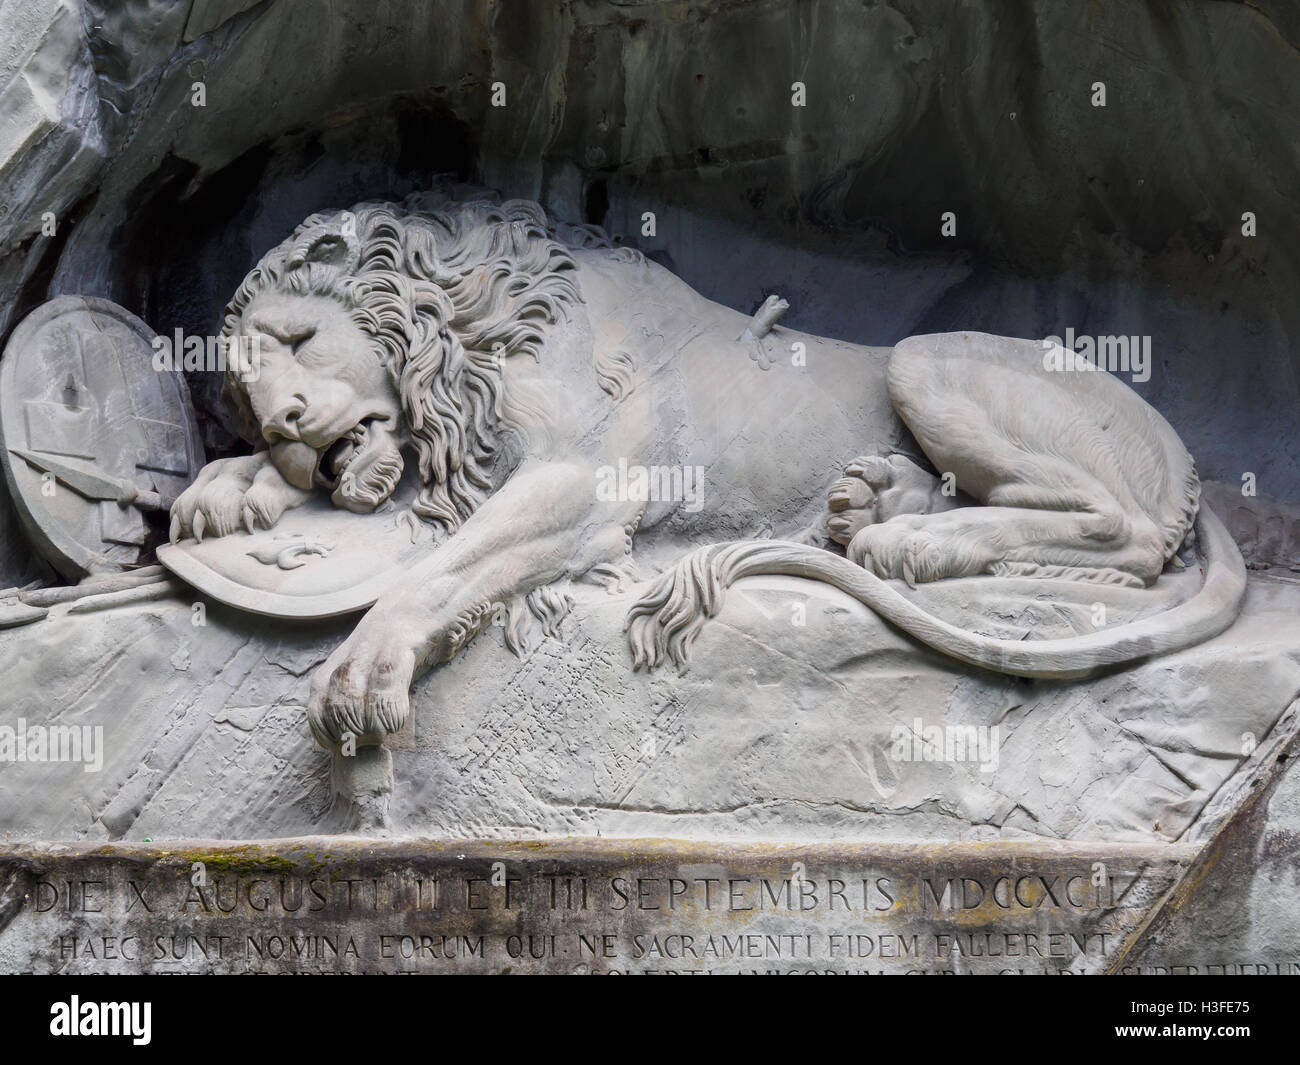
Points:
(282, 424)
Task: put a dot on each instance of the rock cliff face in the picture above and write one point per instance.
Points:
(1123, 219)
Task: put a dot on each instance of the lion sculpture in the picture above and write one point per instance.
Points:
(515, 359)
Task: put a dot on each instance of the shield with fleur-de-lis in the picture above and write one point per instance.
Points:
(318, 561)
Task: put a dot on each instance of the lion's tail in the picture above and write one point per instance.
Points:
(666, 621)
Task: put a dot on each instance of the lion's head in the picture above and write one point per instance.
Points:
(383, 328)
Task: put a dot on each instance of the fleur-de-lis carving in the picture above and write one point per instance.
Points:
(292, 551)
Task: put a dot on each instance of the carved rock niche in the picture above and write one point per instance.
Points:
(604, 492)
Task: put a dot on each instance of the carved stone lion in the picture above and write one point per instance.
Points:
(518, 362)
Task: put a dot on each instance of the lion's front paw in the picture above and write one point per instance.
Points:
(232, 494)
(362, 691)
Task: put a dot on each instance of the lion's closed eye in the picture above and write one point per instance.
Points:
(294, 340)
(292, 337)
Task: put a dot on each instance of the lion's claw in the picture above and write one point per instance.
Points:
(909, 567)
(233, 494)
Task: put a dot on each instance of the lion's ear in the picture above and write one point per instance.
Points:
(334, 243)
(329, 249)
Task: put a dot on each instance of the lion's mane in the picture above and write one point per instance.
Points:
(447, 285)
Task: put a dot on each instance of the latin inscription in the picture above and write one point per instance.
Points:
(552, 908)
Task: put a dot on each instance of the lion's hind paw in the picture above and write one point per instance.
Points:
(874, 489)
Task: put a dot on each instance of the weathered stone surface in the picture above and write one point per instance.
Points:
(587, 907)
(778, 732)
(1236, 910)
